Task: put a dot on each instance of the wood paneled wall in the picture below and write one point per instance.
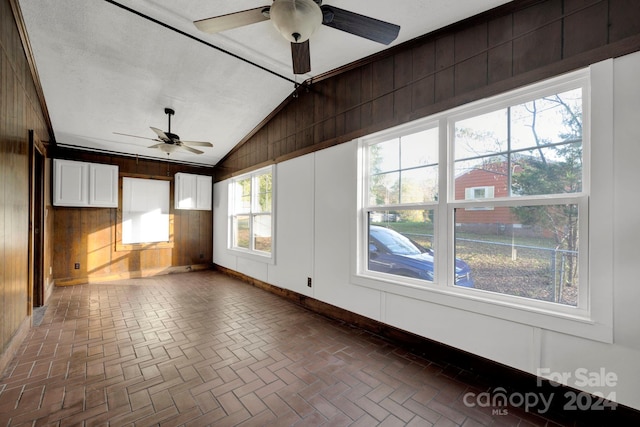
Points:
(20, 111)
(519, 43)
(87, 235)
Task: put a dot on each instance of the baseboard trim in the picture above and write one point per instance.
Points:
(72, 281)
(16, 341)
(489, 373)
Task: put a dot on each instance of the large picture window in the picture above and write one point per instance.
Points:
(489, 200)
(251, 213)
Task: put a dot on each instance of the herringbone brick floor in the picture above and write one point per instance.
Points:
(202, 349)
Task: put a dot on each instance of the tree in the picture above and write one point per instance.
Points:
(555, 169)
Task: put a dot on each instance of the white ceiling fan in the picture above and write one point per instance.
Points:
(170, 142)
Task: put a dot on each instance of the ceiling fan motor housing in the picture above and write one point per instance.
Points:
(296, 20)
(172, 138)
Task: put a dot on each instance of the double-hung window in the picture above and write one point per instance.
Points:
(401, 199)
(524, 237)
(251, 213)
(487, 202)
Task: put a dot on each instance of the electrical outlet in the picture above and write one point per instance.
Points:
(309, 281)
(76, 266)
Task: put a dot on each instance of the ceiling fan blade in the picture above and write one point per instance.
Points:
(192, 150)
(232, 20)
(163, 136)
(135, 136)
(197, 143)
(156, 145)
(301, 57)
(359, 25)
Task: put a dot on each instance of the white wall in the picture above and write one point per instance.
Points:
(315, 232)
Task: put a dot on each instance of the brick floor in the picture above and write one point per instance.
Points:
(202, 349)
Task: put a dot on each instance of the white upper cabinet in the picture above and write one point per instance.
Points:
(203, 192)
(193, 191)
(70, 183)
(103, 185)
(82, 184)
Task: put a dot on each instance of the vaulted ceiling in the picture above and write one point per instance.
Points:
(112, 67)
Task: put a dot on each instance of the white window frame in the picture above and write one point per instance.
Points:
(593, 318)
(251, 252)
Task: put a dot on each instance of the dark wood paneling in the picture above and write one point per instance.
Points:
(423, 87)
(20, 111)
(518, 43)
(382, 90)
(366, 94)
(382, 77)
(623, 19)
(471, 70)
(445, 60)
(402, 79)
(327, 91)
(353, 93)
(500, 44)
(88, 235)
(585, 26)
(538, 36)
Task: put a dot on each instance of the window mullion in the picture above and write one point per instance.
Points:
(252, 196)
(400, 170)
(444, 248)
(509, 155)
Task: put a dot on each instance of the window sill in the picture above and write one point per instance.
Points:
(251, 255)
(120, 247)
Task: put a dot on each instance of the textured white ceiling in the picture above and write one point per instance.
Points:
(105, 69)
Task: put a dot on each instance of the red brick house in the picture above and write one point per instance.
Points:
(486, 181)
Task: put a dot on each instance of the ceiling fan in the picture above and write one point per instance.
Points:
(296, 20)
(170, 142)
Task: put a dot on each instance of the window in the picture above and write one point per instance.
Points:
(251, 213)
(402, 192)
(475, 193)
(478, 193)
(488, 201)
(144, 220)
(529, 246)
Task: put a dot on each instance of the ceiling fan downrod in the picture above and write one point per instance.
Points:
(172, 136)
(170, 112)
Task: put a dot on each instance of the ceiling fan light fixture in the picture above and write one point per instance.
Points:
(168, 148)
(296, 20)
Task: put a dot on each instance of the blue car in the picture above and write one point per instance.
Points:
(391, 252)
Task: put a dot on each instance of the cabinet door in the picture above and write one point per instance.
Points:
(103, 185)
(70, 180)
(185, 191)
(203, 190)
